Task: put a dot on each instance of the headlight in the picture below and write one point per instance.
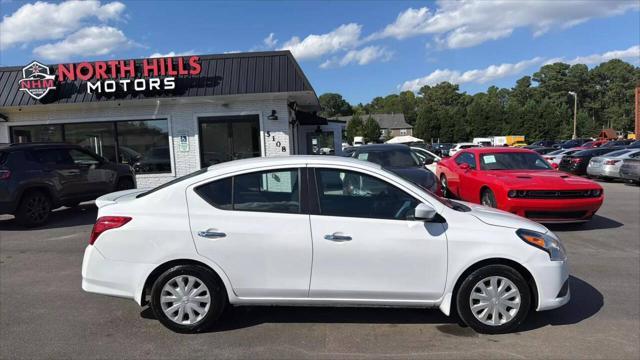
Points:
(546, 242)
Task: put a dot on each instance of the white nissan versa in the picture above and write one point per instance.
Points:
(321, 230)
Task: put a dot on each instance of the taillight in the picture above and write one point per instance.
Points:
(611, 162)
(5, 174)
(105, 223)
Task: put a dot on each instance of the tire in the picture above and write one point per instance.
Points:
(124, 184)
(444, 186)
(488, 318)
(487, 198)
(34, 209)
(194, 316)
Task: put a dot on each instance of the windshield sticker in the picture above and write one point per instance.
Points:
(489, 159)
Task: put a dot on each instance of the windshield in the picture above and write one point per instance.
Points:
(513, 161)
(391, 158)
(557, 152)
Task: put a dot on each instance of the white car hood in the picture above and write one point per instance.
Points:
(501, 218)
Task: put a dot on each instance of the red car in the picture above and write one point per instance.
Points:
(519, 181)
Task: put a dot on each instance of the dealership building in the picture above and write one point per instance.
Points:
(167, 117)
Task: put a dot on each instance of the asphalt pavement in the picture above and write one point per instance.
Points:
(45, 314)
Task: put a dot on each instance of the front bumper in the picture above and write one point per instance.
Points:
(7, 207)
(115, 278)
(552, 283)
(554, 210)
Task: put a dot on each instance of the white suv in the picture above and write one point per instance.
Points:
(318, 231)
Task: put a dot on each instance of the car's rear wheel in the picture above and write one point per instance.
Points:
(34, 209)
(494, 299)
(444, 186)
(188, 298)
(488, 198)
(124, 184)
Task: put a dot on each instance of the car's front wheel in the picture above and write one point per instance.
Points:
(488, 198)
(444, 186)
(494, 299)
(188, 298)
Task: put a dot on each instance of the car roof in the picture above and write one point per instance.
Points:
(293, 160)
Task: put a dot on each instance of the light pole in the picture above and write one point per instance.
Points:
(575, 113)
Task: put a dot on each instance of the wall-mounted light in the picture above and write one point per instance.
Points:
(273, 115)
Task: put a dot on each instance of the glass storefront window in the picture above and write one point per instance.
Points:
(97, 137)
(36, 133)
(145, 145)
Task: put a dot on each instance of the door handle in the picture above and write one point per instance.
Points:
(337, 237)
(211, 234)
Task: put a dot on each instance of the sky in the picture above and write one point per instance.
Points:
(359, 49)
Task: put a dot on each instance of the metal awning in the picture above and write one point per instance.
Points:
(309, 118)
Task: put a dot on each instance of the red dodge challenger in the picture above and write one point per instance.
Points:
(519, 181)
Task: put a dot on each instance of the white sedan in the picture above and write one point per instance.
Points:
(327, 231)
(427, 157)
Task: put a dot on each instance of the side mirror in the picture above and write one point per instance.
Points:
(424, 212)
(427, 161)
(464, 166)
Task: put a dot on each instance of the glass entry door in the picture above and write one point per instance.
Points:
(228, 138)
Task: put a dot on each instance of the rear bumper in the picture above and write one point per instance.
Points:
(604, 171)
(555, 210)
(7, 207)
(115, 278)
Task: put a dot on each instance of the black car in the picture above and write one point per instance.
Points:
(399, 159)
(577, 163)
(441, 149)
(573, 143)
(543, 150)
(38, 177)
(634, 145)
(617, 143)
(545, 143)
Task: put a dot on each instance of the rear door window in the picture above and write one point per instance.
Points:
(56, 156)
(276, 191)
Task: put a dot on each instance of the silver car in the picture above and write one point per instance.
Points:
(630, 169)
(555, 157)
(608, 166)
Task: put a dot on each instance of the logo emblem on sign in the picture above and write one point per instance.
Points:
(36, 80)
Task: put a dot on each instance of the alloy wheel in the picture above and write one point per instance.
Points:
(37, 208)
(495, 300)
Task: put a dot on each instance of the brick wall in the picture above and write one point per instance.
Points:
(182, 117)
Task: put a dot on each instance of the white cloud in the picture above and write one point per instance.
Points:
(362, 56)
(466, 23)
(90, 41)
(632, 53)
(172, 54)
(344, 37)
(49, 21)
(270, 41)
(480, 76)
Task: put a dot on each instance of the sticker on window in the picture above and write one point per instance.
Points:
(489, 159)
(277, 182)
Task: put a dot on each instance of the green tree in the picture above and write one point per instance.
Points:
(371, 130)
(334, 105)
(355, 127)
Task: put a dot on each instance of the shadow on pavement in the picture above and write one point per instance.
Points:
(586, 302)
(84, 214)
(596, 223)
